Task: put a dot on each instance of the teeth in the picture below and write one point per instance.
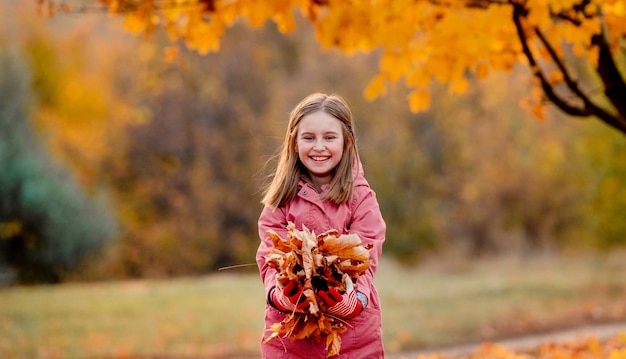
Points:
(319, 158)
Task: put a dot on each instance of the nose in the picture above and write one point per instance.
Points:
(319, 146)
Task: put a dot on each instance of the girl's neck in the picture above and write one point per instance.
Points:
(317, 182)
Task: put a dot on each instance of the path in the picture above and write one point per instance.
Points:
(526, 342)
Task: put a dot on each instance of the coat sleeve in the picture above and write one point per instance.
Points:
(270, 219)
(368, 223)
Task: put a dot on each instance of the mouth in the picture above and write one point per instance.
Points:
(319, 158)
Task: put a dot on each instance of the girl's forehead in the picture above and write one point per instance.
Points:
(319, 121)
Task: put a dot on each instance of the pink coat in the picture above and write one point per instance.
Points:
(362, 216)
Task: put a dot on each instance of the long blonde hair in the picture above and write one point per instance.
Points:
(284, 185)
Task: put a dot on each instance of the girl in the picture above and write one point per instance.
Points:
(319, 183)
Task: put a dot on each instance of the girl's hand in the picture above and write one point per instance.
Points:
(290, 298)
(345, 306)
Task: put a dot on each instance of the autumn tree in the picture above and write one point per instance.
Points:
(48, 223)
(184, 181)
(425, 40)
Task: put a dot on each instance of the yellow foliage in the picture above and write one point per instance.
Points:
(419, 100)
(618, 354)
(136, 23)
(205, 37)
(286, 22)
(418, 40)
(376, 87)
(82, 116)
(583, 348)
(459, 85)
(418, 77)
(395, 65)
(482, 71)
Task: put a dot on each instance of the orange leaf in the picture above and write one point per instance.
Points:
(326, 260)
(135, 23)
(539, 110)
(376, 88)
(419, 100)
(482, 71)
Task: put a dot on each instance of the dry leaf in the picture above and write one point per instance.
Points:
(318, 263)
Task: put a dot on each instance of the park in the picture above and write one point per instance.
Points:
(138, 135)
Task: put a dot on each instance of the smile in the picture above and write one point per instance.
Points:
(319, 159)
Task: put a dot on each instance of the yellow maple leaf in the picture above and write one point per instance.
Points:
(285, 22)
(136, 23)
(376, 87)
(419, 100)
(394, 64)
(459, 85)
(419, 77)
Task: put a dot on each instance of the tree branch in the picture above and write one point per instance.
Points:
(588, 108)
(569, 81)
(518, 13)
(614, 84)
(579, 9)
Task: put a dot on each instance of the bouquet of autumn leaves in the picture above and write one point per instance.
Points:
(316, 263)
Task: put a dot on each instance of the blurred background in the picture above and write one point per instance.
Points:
(118, 162)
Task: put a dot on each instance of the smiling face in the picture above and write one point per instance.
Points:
(320, 145)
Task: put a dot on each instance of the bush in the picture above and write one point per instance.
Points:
(48, 224)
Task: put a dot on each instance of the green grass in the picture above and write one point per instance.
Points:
(498, 299)
(221, 315)
(209, 316)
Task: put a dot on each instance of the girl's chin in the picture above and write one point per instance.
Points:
(319, 168)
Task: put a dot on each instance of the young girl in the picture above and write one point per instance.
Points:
(319, 183)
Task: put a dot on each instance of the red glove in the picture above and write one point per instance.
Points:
(346, 306)
(290, 298)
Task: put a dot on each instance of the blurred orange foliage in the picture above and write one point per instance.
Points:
(445, 40)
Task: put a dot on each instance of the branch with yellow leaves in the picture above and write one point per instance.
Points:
(587, 107)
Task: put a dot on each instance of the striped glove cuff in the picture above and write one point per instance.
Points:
(350, 306)
(281, 302)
